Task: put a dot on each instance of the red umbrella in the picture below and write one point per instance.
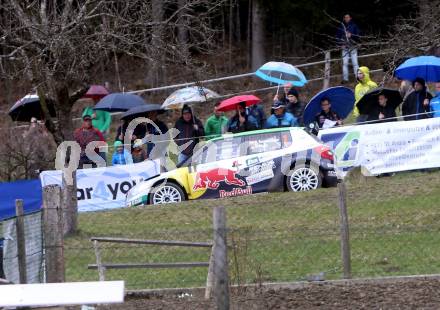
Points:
(96, 92)
(231, 103)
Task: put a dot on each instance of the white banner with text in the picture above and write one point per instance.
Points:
(105, 187)
(386, 147)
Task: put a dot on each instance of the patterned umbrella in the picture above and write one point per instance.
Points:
(188, 95)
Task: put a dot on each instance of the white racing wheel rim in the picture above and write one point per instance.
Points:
(166, 194)
(303, 179)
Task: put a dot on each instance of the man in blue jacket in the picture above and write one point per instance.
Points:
(435, 102)
(280, 118)
(347, 37)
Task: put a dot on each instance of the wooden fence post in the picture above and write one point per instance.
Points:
(327, 60)
(53, 233)
(70, 204)
(221, 282)
(210, 277)
(343, 222)
(21, 241)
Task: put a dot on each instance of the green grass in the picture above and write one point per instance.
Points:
(394, 229)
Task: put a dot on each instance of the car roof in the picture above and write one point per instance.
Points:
(256, 132)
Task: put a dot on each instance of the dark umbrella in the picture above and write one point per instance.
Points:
(142, 110)
(119, 102)
(29, 106)
(370, 100)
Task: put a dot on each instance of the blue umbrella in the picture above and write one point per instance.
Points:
(119, 102)
(426, 67)
(341, 99)
(281, 73)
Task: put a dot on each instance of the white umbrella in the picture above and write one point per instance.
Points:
(188, 95)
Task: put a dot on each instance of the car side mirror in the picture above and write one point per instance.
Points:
(313, 128)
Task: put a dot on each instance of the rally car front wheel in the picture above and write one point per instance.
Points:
(304, 179)
(166, 193)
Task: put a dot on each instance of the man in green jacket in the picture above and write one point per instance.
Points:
(101, 120)
(216, 123)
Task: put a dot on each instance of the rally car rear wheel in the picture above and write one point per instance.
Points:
(166, 193)
(304, 179)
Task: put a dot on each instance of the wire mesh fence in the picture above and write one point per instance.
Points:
(33, 249)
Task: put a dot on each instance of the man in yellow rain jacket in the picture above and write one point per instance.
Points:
(364, 86)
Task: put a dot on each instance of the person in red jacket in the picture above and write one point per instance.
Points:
(84, 135)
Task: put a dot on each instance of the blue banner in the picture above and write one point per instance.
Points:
(28, 190)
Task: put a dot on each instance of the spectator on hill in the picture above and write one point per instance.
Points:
(101, 120)
(241, 121)
(348, 36)
(257, 111)
(364, 86)
(157, 131)
(122, 128)
(327, 118)
(84, 135)
(138, 153)
(216, 124)
(416, 104)
(280, 118)
(283, 96)
(435, 102)
(382, 112)
(120, 155)
(295, 106)
(190, 128)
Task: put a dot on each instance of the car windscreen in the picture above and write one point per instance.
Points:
(267, 142)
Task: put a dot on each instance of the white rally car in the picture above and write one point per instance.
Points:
(267, 160)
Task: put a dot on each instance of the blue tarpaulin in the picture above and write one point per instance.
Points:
(28, 190)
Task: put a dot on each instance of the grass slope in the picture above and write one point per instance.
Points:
(394, 229)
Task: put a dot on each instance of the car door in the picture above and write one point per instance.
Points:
(215, 172)
(261, 166)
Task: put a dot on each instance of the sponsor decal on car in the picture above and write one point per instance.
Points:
(236, 191)
(211, 178)
(260, 176)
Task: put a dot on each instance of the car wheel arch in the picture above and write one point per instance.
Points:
(175, 182)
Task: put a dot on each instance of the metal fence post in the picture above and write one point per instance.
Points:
(327, 60)
(21, 241)
(343, 222)
(221, 282)
(53, 233)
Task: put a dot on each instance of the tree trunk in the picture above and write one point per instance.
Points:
(231, 31)
(182, 31)
(64, 111)
(258, 36)
(155, 74)
(249, 35)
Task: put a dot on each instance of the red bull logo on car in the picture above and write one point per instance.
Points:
(236, 191)
(211, 178)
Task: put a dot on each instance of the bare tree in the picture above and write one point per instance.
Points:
(258, 35)
(418, 35)
(59, 46)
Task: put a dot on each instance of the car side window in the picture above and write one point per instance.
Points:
(229, 148)
(267, 142)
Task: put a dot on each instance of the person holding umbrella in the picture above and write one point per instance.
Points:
(295, 106)
(327, 114)
(382, 112)
(241, 121)
(280, 118)
(190, 128)
(416, 104)
(380, 104)
(101, 120)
